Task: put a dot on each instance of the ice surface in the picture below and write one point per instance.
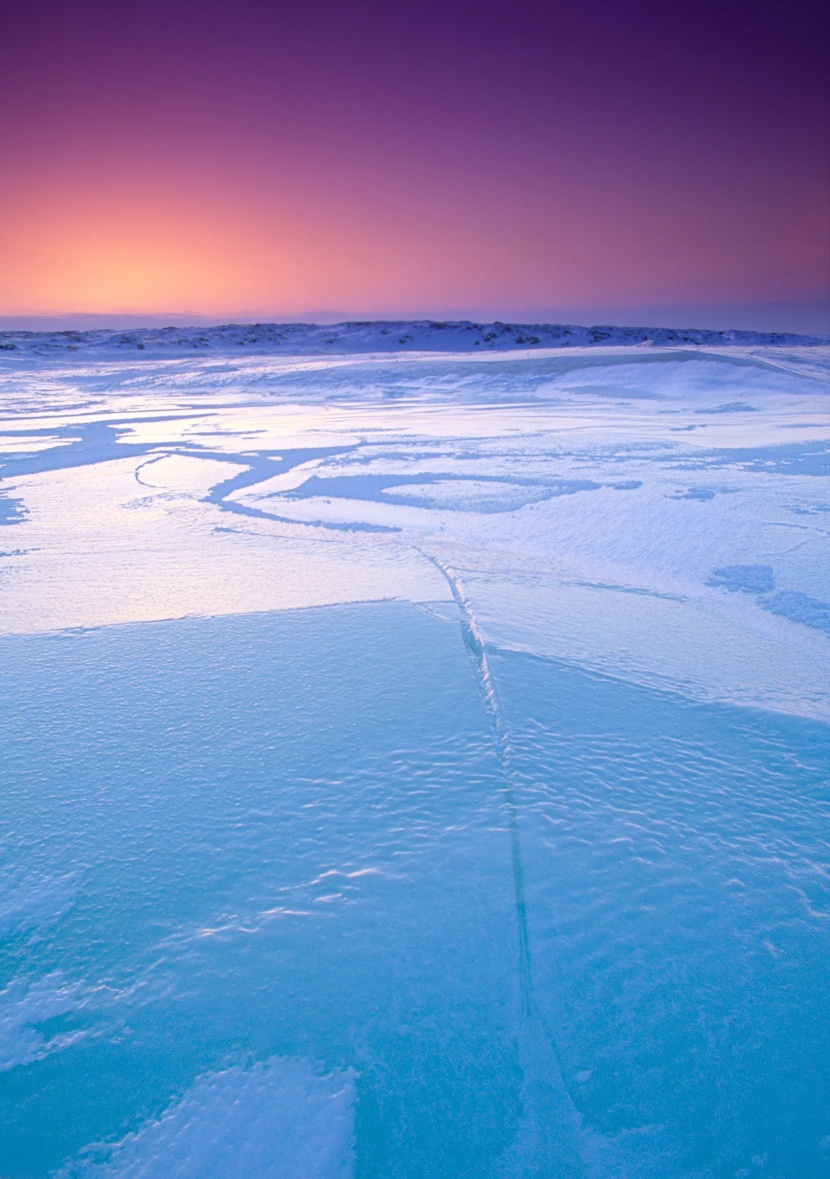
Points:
(414, 753)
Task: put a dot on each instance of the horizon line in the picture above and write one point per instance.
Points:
(803, 316)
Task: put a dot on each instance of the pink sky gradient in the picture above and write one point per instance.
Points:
(268, 158)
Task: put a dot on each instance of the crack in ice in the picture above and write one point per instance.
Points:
(553, 1130)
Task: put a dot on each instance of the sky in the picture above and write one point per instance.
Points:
(489, 159)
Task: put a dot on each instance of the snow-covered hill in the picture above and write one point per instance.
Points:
(378, 336)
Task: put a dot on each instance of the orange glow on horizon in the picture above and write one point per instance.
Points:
(214, 253)
(377, 158)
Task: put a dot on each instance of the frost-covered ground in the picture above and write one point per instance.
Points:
(414, 762)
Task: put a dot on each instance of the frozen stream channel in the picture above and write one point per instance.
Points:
(414, 764)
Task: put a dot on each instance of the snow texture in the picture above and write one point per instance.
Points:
(414, 753)
(274, 1120)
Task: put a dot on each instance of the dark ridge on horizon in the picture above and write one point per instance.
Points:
(367, 336)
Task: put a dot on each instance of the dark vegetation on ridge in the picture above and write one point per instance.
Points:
(381, 336)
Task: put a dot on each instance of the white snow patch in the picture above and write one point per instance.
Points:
(275, 1120)
(23, 1005)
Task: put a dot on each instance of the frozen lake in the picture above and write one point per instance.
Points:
(414, 764)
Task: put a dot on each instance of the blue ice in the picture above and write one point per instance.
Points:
(384, 794)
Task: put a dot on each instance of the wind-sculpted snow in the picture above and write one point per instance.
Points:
(414, 754)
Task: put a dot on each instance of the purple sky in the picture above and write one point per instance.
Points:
(399, 158)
